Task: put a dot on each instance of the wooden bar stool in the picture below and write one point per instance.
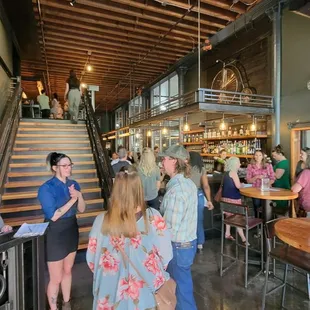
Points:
(240, 219)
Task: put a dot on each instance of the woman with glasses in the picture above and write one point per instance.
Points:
(60, 198)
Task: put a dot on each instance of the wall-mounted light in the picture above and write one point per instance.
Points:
(72, 3)
(89, 68)
(186, 125)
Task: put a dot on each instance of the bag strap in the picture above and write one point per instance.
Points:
(132, 264)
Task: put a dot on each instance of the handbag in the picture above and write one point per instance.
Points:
(165, 298)
(218, 195)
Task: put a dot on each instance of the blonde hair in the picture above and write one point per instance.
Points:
(147, 163)
(127, 195)
(231, 164)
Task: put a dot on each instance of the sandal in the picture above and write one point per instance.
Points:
(245, 242)
(230, 237)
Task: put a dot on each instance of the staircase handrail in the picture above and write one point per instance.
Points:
(99, 151)
(8, 129)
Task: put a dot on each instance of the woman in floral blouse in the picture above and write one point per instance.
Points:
(142, 235)
(256, 171)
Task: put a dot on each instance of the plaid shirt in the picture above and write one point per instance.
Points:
(252, 171)
(180, 207)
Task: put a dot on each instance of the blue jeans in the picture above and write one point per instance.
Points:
(257, 203)
(179, 269)
(154, 203)
(201, 208)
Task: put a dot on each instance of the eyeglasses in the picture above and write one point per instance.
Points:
(66, 166)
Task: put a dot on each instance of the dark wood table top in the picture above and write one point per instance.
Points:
(295, 232)
(276, 194)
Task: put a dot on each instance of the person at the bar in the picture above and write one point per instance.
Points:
(304, 153)
(302, 187)
(231, 193)
(199, 177)
(60, 199)
(257, 170)
(220, 161)
(282, 173)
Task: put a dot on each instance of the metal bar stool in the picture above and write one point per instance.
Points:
(240, 219)
(299, 260)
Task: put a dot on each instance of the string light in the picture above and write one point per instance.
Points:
(89, 68)
(149, 133)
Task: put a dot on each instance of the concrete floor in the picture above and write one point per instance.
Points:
(211, 291)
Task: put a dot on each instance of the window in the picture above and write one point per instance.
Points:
(164, 91)
(119, 118)
(135, 106)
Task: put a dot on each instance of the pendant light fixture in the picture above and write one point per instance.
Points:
(186, 125)
(222, 124)
(165, 130)
(253, 126)
(149, 133)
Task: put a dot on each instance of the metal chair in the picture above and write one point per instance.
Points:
(240, 219)
(299, 260)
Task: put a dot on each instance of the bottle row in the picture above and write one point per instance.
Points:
(244, 130)
(237, 147)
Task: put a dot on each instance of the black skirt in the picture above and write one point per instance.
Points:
(62, 238)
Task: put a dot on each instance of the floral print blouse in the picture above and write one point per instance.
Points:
(253, 170)
(116, 284)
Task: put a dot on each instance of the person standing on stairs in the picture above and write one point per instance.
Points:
(60, 199)
(74, 93)
(43, 101)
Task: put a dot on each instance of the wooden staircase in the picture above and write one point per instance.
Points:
(27, 171)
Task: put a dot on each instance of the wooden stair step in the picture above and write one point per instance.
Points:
(90, 213)
(32, 207)
(52, 142)
(30, 165)
(85, 228)
(25, 195)
(21, 124)
(30, 135)
(50, 149)
(83, 244)
(18, 221)
(43, 157)
(40, 182)
(44, 173)
(52, 129)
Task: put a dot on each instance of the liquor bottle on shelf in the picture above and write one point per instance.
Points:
(214, 133)
(241, 131)
(247, 131)
(209, 134)
(193, 138)
(229, 134)
(189, 139)
(185, 138)
(218, 134)
(197, 138)
(200, 137)
(205, 134)
(235, 133)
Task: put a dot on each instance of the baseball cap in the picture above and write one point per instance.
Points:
(176, 151)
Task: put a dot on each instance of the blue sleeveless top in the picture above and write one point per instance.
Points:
(229, 188)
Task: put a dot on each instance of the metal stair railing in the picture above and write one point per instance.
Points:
(101, 157)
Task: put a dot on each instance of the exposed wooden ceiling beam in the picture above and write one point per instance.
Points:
(227, 5)
(114, 40)
(125, 17)
(113, 32)
(112, 45)
(205, 9)
(114, 54)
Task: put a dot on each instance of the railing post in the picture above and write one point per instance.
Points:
(199, 95)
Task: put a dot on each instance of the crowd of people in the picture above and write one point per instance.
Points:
(55, 109)
(142, 240)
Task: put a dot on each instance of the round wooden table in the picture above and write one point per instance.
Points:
(295, 232)
(267, 196)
